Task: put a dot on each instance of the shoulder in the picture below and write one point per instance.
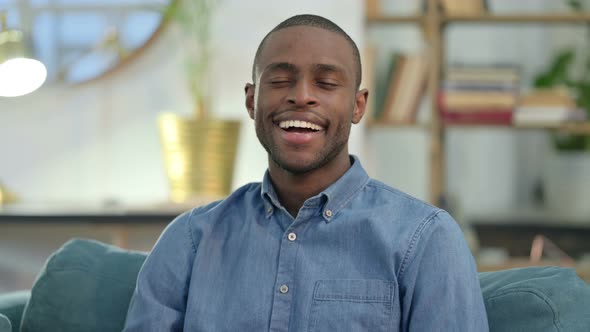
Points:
(244, 195)
(193, 224)
(398, 203)
(413, 221)
(241, 201)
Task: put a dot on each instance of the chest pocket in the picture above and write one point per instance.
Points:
(352, 305)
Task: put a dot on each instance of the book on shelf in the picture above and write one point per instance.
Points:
(385, 88)
(502, 117)
(394, 84)
(559, 97)
(405, 88)
(368, 80)
(491, 74)
(471, 101)
(480, 115)
(479, 94)
(547, 107)
(474, 85)
(547, 116)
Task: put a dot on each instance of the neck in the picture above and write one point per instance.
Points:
(294, 189)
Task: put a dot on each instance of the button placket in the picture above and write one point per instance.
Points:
(283, 298)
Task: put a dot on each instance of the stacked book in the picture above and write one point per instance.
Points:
(479, 94)
(402, 88)
(547, 108)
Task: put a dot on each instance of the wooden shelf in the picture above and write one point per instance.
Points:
(380, 124)
(433, 23)
(477, 125)
(582, 128)
(523, 18)
(389, 19)
(486, 18)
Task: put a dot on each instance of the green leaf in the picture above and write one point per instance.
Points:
(193, 20)
(576, 5)
(569, 142)
(558, 74)
(558, 71)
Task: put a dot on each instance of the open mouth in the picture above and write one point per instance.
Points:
(297, 126)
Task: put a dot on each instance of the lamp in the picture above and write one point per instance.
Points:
(19, 74)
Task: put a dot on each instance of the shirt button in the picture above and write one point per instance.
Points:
(292, 236)
(328, 213)
(284, 289)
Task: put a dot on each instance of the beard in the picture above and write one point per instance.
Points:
(298, 166)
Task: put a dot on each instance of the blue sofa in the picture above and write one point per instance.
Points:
(87, 285)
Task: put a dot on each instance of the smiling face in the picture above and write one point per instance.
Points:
(305, 98)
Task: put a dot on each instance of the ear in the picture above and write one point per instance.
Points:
(360, 105)
(250, 89)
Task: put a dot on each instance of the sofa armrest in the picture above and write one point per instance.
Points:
(5, 324)
(12, 306)
(536, 299)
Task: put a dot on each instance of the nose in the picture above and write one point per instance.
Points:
(302, 94)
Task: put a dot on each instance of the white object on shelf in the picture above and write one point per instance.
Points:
(567, 185)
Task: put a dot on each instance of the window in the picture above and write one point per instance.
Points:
(78, 40)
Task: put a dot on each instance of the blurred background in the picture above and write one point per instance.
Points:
(138, 104)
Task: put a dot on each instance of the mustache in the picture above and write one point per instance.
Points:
(299, 113)
(296, 109)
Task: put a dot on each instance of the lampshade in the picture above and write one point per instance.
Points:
(19, 73)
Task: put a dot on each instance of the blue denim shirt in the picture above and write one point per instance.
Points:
(360, 256)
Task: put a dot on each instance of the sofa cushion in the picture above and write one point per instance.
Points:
(536, 299)
(5, 324)
(12, 305)
(85, 286)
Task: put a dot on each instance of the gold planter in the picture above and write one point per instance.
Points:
(6, 196)
(199, 156)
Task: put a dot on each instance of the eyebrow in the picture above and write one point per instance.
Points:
(291, 68)
(326, 68)
(286, 66)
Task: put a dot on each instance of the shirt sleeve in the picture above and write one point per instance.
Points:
(439, 284)
(159, 299)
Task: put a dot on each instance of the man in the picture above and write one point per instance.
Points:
(318, 245)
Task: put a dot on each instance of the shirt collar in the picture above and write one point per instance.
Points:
(337, 194)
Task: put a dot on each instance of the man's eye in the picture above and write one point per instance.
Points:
(280, 82)
(327, 84)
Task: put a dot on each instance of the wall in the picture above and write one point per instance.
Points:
(98, 142)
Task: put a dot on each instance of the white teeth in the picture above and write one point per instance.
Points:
(298, 124)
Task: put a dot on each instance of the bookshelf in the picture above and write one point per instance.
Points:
(491, 18)
(433, 24)
(382, 19)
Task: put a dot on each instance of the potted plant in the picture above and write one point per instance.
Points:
(567, 170)
(199, 150)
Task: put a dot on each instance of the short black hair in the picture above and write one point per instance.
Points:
(317, 22)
